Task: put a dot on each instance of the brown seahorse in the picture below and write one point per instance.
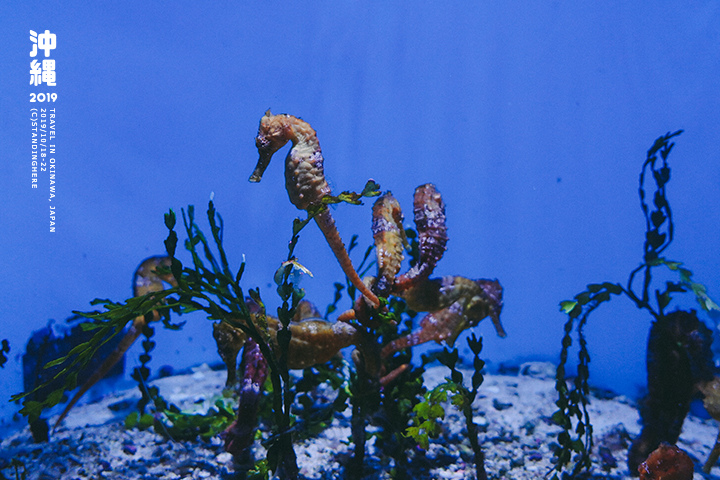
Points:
(455, 304)
(429, 212)
(304, 180)
(145, 280)
(390, 241)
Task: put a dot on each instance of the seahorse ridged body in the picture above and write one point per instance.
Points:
(304, 179)
(390, 240)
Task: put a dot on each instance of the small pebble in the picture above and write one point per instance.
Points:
(529, 427)
(500, 406)
(224, 457)
(534, 456)
(129, 449)
(121, 405)
(541, 370)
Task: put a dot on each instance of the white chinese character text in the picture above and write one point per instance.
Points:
(48, 72)
(35, 73)
(45, 41)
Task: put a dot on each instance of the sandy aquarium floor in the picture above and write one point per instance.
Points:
(513, 412)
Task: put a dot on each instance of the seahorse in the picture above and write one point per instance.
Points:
(429, 212)
(304, 180)
(145, 280)
(455, 304)
(313, 340)
(390, 240)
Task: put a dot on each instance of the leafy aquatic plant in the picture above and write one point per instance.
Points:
(572, 415)
(215, 290)
(429, 412)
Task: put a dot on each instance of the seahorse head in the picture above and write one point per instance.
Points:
(489, 302)
(273, 133)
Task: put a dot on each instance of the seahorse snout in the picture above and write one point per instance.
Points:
(266, 152)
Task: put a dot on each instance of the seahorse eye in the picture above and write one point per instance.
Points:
(262, 142)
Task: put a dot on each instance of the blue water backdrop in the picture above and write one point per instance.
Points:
(532, 118)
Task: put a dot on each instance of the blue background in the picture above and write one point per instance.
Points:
(532, 118)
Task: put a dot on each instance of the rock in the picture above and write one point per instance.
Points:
(541, 370)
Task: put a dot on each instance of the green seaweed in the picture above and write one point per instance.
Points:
(388, 408)
(572, 415)
(107, 324)
(214, 290)
(429, 412)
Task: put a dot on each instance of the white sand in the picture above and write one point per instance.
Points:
(513, 413)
